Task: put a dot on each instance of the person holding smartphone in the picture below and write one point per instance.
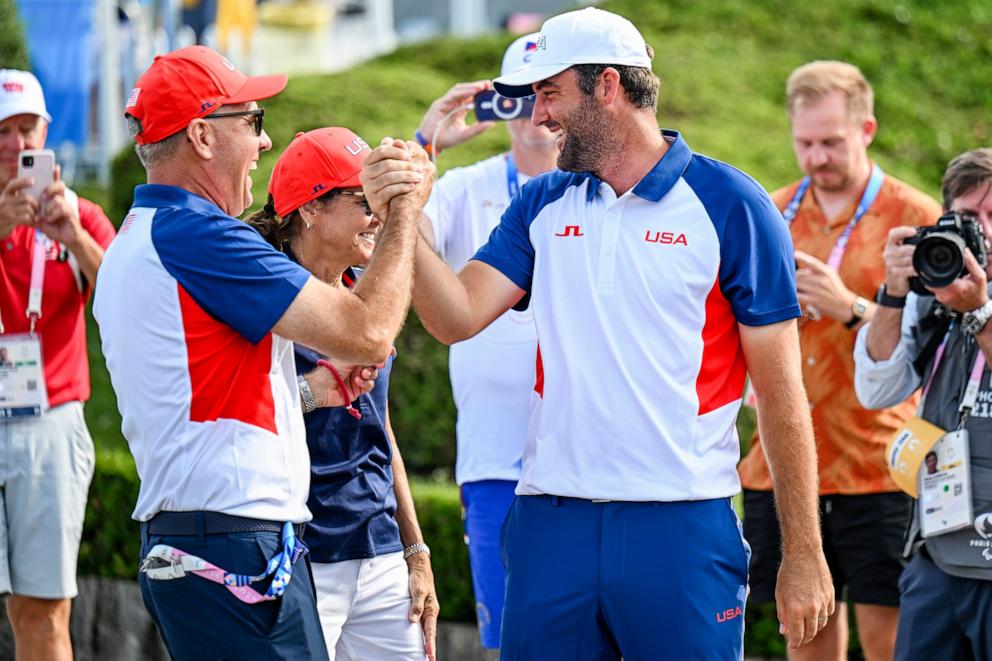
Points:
(48, 451)
(492, 374)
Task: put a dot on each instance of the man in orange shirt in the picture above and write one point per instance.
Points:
(840, 215)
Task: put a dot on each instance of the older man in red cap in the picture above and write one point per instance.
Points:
(198, 315)
(50, 247)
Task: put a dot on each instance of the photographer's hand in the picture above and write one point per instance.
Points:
(968, 292)
(819, 287)
(16, 209)
(898, 258)
(456, 130)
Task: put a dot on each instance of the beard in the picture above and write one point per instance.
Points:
(588, 138)
(839, 180)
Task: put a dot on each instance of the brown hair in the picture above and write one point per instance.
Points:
(639, 83)
(277, 231)
(816, 79)
(966, 172)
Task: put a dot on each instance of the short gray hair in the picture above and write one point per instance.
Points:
(154, 153)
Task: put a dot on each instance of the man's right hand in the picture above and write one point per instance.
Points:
(396, 168)
(456, 130)
(898, 258)
(16, 208)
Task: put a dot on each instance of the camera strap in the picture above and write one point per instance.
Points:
(867, 199)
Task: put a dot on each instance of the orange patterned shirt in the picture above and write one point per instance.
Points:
(850, 440)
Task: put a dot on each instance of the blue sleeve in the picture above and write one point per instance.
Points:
(228, 269)
(509, 249)
(757, 265)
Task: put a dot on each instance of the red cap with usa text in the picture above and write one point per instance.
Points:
(189, 83)
(314, 163)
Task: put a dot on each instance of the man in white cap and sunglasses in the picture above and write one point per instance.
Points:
(658, 278)
(51, 244)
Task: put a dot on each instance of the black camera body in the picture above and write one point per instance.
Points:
(939, 254)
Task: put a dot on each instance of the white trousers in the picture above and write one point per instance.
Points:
(363, 607)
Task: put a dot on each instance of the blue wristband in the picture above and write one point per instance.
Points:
(419, 137)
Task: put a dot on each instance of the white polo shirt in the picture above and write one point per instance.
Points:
(493, 373)
(636, 301)
(186, 299)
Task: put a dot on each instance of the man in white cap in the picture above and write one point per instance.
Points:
(50, 248)
(492, 374)
(657, 279)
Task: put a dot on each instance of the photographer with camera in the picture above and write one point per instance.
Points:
(492, 374)
(942, 343)
(839, 215)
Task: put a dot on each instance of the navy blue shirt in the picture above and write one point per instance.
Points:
(351, 475)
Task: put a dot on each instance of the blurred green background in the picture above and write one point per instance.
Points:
(723, 65)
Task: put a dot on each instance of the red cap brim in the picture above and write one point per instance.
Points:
(257, 88)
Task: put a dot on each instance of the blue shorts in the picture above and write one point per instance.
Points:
(199, 619)
(643, 581)
(942, 617)
(486, 503)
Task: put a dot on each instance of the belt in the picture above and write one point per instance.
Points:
(212, 523)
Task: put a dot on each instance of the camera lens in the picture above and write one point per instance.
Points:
(939, 259)
(27, 161)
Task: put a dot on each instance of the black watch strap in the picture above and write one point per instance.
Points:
(886, 301)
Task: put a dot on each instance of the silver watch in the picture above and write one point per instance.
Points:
(973, 322)
(414, 549)
(309, 403)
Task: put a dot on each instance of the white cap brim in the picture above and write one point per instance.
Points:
(9, 110)
(520, 83)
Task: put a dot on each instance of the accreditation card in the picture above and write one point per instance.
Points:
(22, 377)
(945, 486)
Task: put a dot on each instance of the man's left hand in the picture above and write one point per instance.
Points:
(57, 217)
(804, 596)
(968, 292)
(820, 288)
(424, 607)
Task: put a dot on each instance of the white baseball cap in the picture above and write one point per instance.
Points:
(519, 54)
(586, 36)
(20, 94)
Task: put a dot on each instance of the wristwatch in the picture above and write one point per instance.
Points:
(885, 300)
(973, 322)
(309, 403)
(858, 311)
(414, 549)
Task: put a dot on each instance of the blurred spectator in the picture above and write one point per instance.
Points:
(199, 15)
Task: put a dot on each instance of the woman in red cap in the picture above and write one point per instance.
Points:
(375, 586)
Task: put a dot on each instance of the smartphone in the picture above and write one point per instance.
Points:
(491, 107)
(38, 164)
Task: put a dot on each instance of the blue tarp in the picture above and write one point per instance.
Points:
(61, 42)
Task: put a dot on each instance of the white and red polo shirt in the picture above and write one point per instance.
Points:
(186, 299)
(637, 301)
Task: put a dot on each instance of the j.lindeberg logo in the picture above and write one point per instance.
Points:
(571, 230)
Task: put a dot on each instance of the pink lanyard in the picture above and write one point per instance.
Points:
(974, 379)
(33, 311)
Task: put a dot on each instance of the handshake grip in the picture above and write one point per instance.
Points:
(940, 251)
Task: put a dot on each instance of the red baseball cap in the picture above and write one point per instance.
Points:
(314, 163)
(189, 83)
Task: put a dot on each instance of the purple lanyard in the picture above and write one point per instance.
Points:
(867, 198)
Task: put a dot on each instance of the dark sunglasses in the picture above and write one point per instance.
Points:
(361, 196)
(257, 117)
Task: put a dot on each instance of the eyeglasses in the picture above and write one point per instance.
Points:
(257, 117)
(364, 200)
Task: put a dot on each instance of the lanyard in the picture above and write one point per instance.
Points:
(33, 311)
(867, 198)
(512, 186)
(974, 379)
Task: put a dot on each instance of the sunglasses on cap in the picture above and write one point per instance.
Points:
(257, 117)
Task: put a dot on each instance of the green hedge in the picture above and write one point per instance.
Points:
(13, 50)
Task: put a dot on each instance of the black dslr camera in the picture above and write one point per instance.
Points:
(939, 255)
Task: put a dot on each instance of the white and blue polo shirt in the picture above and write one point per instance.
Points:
(637, 301)
(186, 299)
